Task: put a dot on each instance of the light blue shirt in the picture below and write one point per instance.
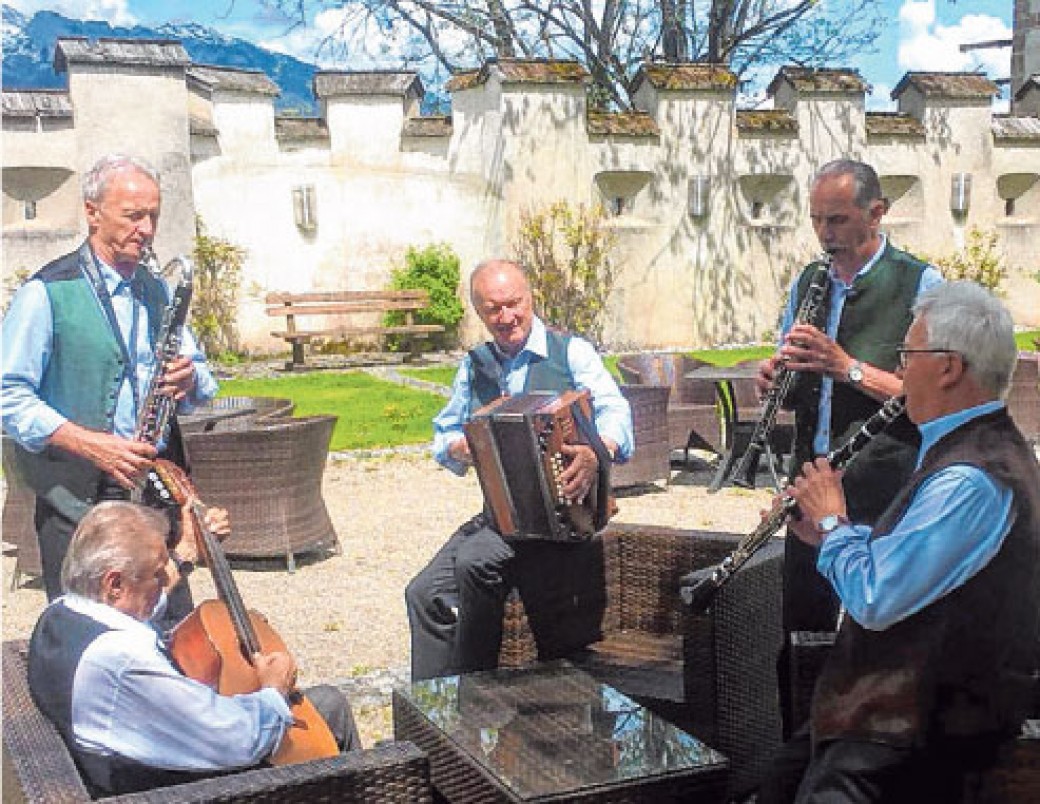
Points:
(129, 699)
(27, 343)
(611, 411)
(930, 277)
(955, 524)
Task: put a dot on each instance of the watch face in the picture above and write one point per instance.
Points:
(855, 373)
(828, 523)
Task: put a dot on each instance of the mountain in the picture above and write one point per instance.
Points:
(28, 48)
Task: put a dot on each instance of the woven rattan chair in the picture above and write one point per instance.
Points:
(693, 419)
(268, 476)
(18, 524)
(713, 674)
(37, 765)
(650, 461)
(235, 413)
(1023, 399)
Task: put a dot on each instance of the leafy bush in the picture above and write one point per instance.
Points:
(980, 261)
(435, 269)
(218, 278)
(566, 251)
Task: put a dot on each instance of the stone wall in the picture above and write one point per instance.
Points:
(380, 179)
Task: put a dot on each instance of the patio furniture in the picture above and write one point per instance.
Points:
(268, 476)
(650, 461)
(712, 674)
(19, 527)
(37, 767)
(693, 419)
(235, 413)
(1023, 399)
(738, 401)
(550, 733)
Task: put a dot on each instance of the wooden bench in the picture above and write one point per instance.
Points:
(348, 302)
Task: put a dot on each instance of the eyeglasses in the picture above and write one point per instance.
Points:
(903, 352)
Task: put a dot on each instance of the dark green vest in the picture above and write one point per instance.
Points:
(551, 373)
(82, 377)
(873, 324)
(963, 666)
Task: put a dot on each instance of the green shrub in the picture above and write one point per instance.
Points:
(979, 261)
(214, 301)
(566, 251)
(435, 269)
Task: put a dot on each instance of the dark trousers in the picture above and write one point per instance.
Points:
(456, 603)
(858, 771)
(334, 707)
(54, 534)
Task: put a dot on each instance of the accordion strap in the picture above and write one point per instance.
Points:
(588, 429)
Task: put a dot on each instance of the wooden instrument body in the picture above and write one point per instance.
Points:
(516, 445)
(213, 645)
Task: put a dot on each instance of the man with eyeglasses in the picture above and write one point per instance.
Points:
(934, 668)
(846, 370)
(456, 603)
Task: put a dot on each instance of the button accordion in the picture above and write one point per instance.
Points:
(515, 442)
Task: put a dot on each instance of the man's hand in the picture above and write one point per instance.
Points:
(216, 520)
(807, 349)
(126, 461)
(277, 670)
(766, 375)
(178, 378)
(818, 493)
(582, 466)
(459, 451)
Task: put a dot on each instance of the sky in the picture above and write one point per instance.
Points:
(921, 34)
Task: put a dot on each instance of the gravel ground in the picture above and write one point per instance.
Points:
(342, 615)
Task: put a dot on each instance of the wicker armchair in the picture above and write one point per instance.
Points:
(713, 674)
(235, 413)
(1023, 399)
(650, 461)
(693, 420)
(268, 475)
(39, 767)
(19, 527)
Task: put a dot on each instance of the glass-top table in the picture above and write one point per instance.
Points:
(550, 732)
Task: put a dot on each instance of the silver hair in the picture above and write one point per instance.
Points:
(96, 180)
(487, 264)
(966, 318)
(865, 179)
(110, 537)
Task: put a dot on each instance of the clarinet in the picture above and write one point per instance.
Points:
(743, 472)
(156, 408)
(698, 589)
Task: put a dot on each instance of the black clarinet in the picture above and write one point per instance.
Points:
(743, 472)
(698, 588)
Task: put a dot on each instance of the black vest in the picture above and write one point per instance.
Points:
(963, 666)
(551, 373)
(58, 642)
(873, 324)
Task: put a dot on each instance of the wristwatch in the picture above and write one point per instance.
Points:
(830, 523)
(855, 373)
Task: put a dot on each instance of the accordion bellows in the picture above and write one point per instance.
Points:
(516, 445)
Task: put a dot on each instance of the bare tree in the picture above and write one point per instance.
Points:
(610, 37)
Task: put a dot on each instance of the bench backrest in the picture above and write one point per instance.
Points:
(334, 296)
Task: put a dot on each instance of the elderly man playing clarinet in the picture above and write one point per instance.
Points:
(934, 668)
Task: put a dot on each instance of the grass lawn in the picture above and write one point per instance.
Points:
(372, 412)
(442, 375)
(1025, 340)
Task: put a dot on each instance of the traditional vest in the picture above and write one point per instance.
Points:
(82, 378)
(873, 324)
(963, 666)
(58, 643)
(551, 373)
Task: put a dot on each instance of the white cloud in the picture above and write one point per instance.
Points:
(115, 12)
(926, 45)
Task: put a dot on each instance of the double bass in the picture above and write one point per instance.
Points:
(214, 644)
